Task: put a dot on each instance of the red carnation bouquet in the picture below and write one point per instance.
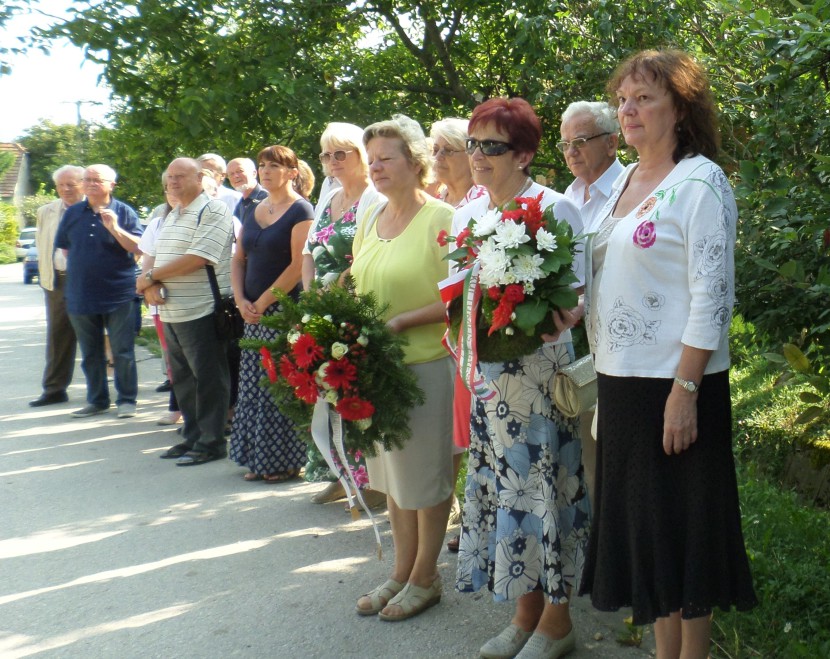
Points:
(333, 346)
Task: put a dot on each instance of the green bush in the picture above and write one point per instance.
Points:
(9, 230)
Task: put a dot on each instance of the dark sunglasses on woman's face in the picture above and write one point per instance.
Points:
(340, 156)
(488, 147)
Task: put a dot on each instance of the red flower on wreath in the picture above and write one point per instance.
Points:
(287, 368)
(305, 388)
(340, 373)
(353, 408)
(306, 351)
(514, 293)
(268, 363)
(501, 315)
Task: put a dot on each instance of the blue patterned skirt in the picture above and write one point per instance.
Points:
(526, 515)
(262, 439)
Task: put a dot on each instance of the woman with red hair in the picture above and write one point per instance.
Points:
(526, 513)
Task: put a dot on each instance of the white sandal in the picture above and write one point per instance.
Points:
(413, 600)
(379, 597)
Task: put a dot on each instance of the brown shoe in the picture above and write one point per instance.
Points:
(333, 492)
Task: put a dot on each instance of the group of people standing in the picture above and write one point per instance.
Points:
(660, 529)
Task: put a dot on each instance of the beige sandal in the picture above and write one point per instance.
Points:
(379, 597)
(413, 600)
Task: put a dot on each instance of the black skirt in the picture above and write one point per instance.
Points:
(666, 533)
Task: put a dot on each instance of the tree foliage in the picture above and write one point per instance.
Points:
(52, 145)
(193, 75)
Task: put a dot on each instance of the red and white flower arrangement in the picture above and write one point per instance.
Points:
(522, 257)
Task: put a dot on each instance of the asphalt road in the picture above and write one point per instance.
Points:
(107, 551)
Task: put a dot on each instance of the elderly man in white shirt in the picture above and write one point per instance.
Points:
(590, 138)
(216, 164)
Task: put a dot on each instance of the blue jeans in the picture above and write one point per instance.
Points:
(120, 326)
(201, 382)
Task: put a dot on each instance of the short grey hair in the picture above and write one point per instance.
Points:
(604, 116)
(105, 170)
(345, 136)
(67, 169)
(215, 157)
(415, 145)
(453, 130)
(245, 163)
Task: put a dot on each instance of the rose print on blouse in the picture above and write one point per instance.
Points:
(625, 326)
(646, 206)
(721, 317)
(711, 254)
(645, 234)
(719, 288)
(653, 301)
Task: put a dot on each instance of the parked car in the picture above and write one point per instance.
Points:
(24, 241)
(30, 266)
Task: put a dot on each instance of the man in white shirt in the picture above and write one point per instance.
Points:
(60, 337)
(215, 163)
(590, 138)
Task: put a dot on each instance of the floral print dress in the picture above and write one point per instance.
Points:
(330, 244)
(526, 515)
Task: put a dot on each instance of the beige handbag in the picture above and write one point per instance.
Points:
(575, 387)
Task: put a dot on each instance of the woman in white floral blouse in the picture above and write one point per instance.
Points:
(666, 536)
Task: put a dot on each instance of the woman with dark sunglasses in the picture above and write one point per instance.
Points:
(526, 512)
(327, 253)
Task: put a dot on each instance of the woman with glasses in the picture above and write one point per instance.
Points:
(397, 257)
(327, 254)
(526, 511)
(268, 256)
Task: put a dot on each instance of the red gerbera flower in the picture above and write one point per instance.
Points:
(305, 388)
(287, 367)
(268, 363)
(339, 373)
(306, 351)
(354, 408)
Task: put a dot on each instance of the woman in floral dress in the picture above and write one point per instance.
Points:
(526, 511)
(328, 252)
(268, 256)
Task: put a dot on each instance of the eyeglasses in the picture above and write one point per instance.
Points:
(444, 152)
(339, 156)
(577, 142)
(488, 147)
(95, 181)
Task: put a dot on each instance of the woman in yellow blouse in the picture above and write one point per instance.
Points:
(397, 257)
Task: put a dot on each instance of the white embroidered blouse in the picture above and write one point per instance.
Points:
(667, 277)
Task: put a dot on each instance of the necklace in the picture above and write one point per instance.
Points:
(345, 203)
(272, 205)
(526, 183)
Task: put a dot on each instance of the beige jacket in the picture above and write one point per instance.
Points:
(48, 218)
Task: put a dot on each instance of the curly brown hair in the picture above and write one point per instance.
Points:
(687, 83)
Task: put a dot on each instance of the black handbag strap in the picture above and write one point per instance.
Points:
(211, 273)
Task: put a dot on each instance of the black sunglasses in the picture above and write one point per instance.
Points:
(488, 147)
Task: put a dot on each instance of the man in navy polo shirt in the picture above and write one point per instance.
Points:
(100, 238)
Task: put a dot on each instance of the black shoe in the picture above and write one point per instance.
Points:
(192, 458)
(176, 451)
(164, 386)
(49, 399)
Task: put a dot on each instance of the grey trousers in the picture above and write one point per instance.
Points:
(60, 340)
(201, 381)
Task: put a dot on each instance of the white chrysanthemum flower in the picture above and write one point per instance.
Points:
(526, 267)
(545, 240)
(529, 287)
(328, 317)
(486, 224)
(363, 340)
(509, 234)
(293, 335)
(306, 318)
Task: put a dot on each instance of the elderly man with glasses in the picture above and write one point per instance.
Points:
(589, 142)
(100, 238)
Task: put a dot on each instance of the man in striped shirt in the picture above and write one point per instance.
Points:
(196, 234)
